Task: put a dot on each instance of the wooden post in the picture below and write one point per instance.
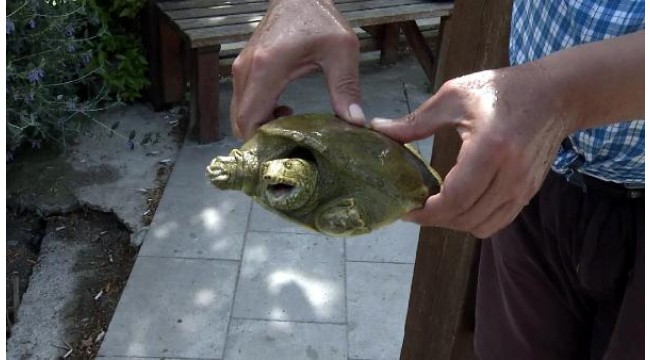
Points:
(151, 40)
(420, 47)
(204, 88)
(439, 323)
(171, 57)
(389, 44)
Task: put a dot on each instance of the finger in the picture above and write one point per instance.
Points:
(240, 71)
(501, 218)
(416, 125)
(463, 186)
(504, 189)
(281, 111)
(258, 99)
(341, 69)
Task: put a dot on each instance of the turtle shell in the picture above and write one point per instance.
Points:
(346, 150)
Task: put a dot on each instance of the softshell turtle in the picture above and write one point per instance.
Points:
(327, 174)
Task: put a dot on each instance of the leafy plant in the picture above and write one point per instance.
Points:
(48, 57)
(119, 52)
(67, 60)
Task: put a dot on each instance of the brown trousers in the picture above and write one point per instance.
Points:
(565, 280)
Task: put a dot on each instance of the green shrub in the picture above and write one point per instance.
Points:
(67, 60)
(48, 57)
(118, 50)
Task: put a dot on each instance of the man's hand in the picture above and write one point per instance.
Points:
(510, 133)
(295, 37)
(512, 122)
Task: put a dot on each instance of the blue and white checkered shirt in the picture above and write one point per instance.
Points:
(616, 152)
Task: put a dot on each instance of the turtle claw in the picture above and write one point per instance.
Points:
(220, 170)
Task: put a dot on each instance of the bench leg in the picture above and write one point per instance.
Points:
(389, 43)
(422, 50)
(441, 50)
(151, 41)
(171, 66)
(204, 93)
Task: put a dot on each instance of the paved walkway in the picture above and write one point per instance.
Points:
(219, 278)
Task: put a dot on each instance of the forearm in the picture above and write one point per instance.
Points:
(599, 83)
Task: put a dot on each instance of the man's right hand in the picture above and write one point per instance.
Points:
(296, 37)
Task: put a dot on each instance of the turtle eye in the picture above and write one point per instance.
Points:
(287, 165)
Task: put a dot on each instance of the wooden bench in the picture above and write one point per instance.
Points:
(191, 33)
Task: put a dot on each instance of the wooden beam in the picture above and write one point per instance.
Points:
(389, 43)
(171, 66)
(439, 322)
(422, 51)
(204, 88)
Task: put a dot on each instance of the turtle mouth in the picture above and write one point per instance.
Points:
(285, 189)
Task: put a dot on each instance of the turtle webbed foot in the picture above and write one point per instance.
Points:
(342, 218)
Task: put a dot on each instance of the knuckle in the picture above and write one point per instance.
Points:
(261, 58)
(347, 40)
(348, 84)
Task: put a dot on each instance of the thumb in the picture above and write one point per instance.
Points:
(342, 76)
(416, 125)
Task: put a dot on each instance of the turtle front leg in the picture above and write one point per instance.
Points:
(341, 218)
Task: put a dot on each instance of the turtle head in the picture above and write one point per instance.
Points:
(237, 171)
(288, 184)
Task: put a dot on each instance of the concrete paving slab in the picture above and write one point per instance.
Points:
(193, 159)
(395, 243)
(198, 222)
(194, 218)
(291, 277)
(173, 308)
(279, 340)
(377, 298)
(425, 146)
(266, 221)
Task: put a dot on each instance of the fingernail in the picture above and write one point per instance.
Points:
(356, 113)
(380, 121)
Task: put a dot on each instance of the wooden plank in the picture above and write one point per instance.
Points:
(442, 290)
(389, 43)
(246, 8)
(442, 48)
(221, 20)
(218, 21)
(151, 42)
(205, 93)
(420, 47)
(210, 36)
(193, 4)
(366, 43)
(171, 64)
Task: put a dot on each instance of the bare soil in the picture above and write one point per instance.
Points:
(104, 265)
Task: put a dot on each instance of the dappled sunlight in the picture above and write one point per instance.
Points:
(277, 314)
(211, 218)
(256, 255)
(282, 326)
(223, 243)
(139, 336)
(205, 297)
(162, 231)
(319, 293)
(217, 20)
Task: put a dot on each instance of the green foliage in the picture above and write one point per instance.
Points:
(48, 52)
(67, 60)
(119, 54)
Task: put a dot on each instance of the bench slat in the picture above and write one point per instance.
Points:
(214, 21)
(237, 32)
(246, 8)
(195, 4)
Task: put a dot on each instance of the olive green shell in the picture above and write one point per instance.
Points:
(393, 177)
